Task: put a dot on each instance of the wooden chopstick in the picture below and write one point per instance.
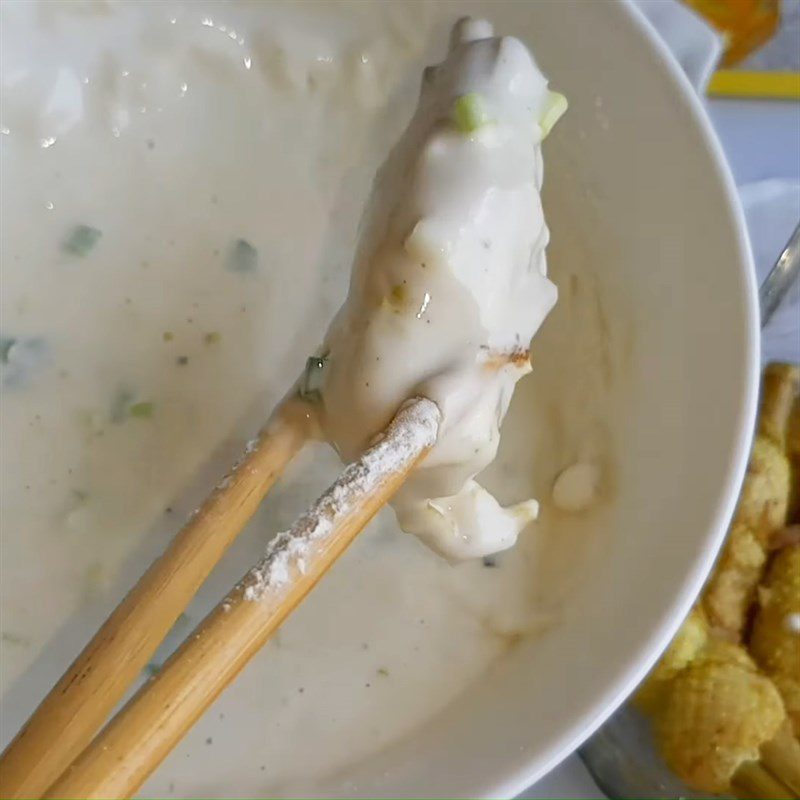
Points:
(141, 735)
(72, 713)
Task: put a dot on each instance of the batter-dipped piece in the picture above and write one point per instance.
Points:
(449, 285)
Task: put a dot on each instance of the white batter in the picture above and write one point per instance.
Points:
(181, 189)
(449, 285)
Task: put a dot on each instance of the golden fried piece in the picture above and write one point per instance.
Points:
(731, 589)
(717, 713)
(780, 385)
(793, 452)
(718, 651)
(793, 432)
(690, 639)
(789, 688)
(775, 640)
(761, 512)
(765, 492)
(762, 508)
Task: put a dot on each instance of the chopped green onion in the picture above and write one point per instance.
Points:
(168, 336)
(213, 337)
(554, 108)
(81, 240)
(243, 257)
(142, 410)
(469, 112)
(384, 672)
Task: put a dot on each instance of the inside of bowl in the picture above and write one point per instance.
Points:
(645, 367)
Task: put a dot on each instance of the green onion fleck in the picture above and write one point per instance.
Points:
(469, 112)
(81, 240)
(121, 405)
(243, 257)
(13, 638)
(212, 337)
(554, 108)
(6, 343)
(384, 672)
(168, 336)
(142, 410)
(95, 581)
(21, 359)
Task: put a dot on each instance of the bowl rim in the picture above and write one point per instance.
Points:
(709, 545)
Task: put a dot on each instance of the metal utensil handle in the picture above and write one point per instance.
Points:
(780, 278)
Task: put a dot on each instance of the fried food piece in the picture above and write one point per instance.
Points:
(779, 387)
(711, 707)
(690, 639)
(775, 641)
(793, 452)
(731, 589)
(789, 688)
(765, 492)
(719, 651)
(717, 713)
(761, 512)
(793, 433)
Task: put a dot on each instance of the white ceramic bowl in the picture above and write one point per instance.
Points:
(641, 203)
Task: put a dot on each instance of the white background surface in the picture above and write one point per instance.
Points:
(762, 142)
